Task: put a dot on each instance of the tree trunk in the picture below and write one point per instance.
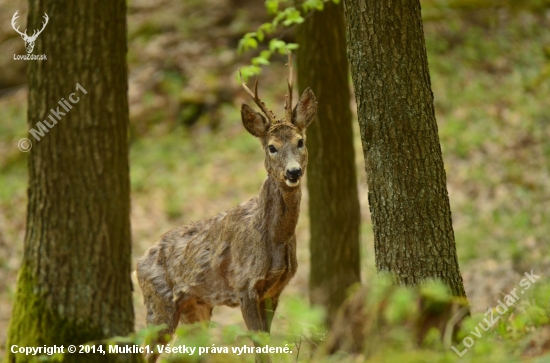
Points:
(74, 284)
(408, 197)
(332, 183)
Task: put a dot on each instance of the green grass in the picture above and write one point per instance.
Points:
(494, 128)
(198, 165)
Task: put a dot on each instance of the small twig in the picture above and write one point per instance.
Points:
(298, 345)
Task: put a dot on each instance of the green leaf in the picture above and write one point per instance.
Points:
(309, 5)
(400, 306)
(260, 35)
(230, 333)
(248, 42)
(292, 46)
(276, 44)
(293, 16)
(251, 43)
(249, 71)
(240, 48)
(257, 61)
(267, 28)
(435, 291)
(272, 6)
(280, 16)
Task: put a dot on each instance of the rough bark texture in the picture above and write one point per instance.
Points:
(332, 184)
(408, 198)
(74, 284)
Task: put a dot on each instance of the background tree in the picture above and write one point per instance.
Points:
(332, 184)
(74, 282)
(409, 203)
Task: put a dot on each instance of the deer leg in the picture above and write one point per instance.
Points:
(158, 298)
(269, 306)
(254, 315)
(160, 312)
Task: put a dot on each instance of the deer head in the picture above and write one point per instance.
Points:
(283, 140)
(29, 41)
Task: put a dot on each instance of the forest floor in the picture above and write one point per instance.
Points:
(490, 72)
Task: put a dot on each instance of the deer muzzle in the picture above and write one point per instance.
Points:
(292, 176)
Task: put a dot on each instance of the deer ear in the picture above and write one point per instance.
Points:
(254, 122)
(305, 110)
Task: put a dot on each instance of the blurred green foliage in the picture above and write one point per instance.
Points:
(300, 327)
(287, 16)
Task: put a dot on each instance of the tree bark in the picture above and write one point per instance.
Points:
(409, 203)
(332, 183)
(74, 284)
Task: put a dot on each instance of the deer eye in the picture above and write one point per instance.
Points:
(272, 149)
(301, 143)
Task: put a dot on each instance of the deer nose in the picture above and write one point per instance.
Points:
(294, 173)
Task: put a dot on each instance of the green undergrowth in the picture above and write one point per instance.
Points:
(511, 330)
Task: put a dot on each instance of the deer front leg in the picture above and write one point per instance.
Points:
(254, 315)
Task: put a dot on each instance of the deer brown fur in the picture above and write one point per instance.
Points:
(246, 255)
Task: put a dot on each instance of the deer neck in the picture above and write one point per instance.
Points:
(279, 209)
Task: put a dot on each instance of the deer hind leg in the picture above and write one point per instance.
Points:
(161, 313)
(158, 298)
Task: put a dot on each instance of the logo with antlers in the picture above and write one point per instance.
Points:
(29, 41)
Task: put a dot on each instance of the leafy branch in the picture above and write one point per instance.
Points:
(287, 17)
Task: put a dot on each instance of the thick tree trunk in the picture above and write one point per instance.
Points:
(408, 197)
(74, 284)
(332, 184)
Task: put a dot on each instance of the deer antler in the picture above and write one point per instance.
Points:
(288, 103)
(261, 105)
(13, 19)
(34, 33)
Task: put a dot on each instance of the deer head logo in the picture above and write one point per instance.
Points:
(29, 41)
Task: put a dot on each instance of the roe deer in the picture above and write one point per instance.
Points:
(246, 255)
